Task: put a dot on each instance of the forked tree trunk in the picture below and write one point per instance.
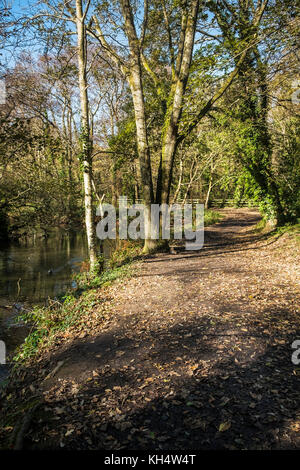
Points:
(174, 109)
(133, 73)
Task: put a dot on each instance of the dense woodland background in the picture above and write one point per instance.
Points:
(161, 100)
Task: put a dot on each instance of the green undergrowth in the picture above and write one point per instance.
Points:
(212, 217)
(292, 229)
(260, 226)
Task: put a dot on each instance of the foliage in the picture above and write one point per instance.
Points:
(211, 217)
(245, 148)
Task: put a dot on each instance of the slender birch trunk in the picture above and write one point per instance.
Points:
(176, 194)
(208, 192)
(85, 138)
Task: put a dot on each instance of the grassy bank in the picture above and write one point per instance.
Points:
(212, 217)
(292, 229)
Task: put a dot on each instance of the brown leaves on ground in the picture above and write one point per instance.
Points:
(194, 352)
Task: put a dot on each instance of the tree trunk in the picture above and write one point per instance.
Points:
(176, 194)
(134, 78)
(206, 205)
(85, 139)
(174, 109)
(114, 186)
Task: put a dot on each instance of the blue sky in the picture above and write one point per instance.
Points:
(18, 6)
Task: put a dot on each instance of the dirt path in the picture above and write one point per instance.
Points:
(196, 354)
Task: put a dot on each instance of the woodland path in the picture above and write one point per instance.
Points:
(196, 353)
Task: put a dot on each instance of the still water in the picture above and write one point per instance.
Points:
(31, 272)
(39, 268)
(34, 270)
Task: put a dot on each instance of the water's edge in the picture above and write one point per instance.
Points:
(31, 273)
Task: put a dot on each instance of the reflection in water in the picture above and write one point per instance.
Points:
(41, 268)
(33, 271)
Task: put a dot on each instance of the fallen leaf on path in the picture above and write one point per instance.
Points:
(224, 426)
